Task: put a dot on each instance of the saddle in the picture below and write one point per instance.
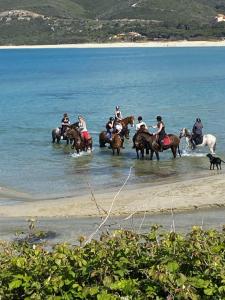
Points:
(86, 135)
(166, 140)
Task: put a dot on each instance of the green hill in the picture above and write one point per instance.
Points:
(75, 21)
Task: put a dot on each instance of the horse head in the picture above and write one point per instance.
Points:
(184, 132)
(128, 120)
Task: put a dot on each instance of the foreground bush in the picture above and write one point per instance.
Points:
(124, 265)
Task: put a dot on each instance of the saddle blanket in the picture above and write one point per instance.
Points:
(86, 135)
(166, 140)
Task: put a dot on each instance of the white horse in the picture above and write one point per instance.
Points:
(208, 140)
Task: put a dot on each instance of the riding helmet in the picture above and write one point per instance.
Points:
(159, 118)
(198, 120)
(111, 119)
(117, 107)
(140, 118)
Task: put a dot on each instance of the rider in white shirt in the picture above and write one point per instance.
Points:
(140, 123)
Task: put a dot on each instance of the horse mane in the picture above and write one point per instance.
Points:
(187, 132)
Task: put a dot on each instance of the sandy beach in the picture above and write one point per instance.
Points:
(150, 44)
(186, 195)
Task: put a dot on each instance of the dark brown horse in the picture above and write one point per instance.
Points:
(145, 140)
(104, 138)
(78, 141)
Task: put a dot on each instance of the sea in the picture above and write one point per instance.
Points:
(39, 85)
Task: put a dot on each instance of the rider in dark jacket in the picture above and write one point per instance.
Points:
(109, 127)
(197, 132)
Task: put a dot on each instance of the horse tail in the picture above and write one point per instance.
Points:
(214, 147)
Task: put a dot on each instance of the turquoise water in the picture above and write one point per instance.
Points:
(39, 85)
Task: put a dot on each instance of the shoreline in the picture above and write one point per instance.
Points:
(151, 44)
(179, 196)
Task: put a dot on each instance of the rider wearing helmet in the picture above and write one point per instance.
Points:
(197, 132)
(118, 114)
(109, 127)
(160, 133)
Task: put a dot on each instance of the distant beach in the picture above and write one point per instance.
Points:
(151, 44)
(180, 196)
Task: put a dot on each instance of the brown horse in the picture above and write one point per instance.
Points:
(78, 142)
(104, 138)
(127, 121)
(116, 143)
(145, 140)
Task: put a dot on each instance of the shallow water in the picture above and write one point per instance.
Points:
(39, 85)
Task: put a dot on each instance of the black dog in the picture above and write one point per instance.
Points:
(214, 161)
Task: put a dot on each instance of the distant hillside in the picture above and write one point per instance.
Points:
(77, 21)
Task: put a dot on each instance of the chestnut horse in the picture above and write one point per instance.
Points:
(148, 141)
(78, 142)
(127, 121)
(116, 143)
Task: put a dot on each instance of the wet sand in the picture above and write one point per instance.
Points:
(180, 196)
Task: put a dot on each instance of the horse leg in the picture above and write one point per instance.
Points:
(118, 151)
(113, 151)
(174, 151)
(178, 148)
(151, 154)
(157, 155)
(142, 153)
(137, 151)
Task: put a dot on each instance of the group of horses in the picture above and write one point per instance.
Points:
(143, 141)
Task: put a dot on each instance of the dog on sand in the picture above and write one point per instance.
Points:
(215, 161)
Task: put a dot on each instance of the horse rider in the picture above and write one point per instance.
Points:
(196, 137)
(109, 127)
(160, 133)
(83, 128)
(65, 122)
(118, 114)
(140, 125)
(118, 128)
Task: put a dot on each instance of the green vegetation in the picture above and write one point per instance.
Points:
(78, 21)
(123, 265)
